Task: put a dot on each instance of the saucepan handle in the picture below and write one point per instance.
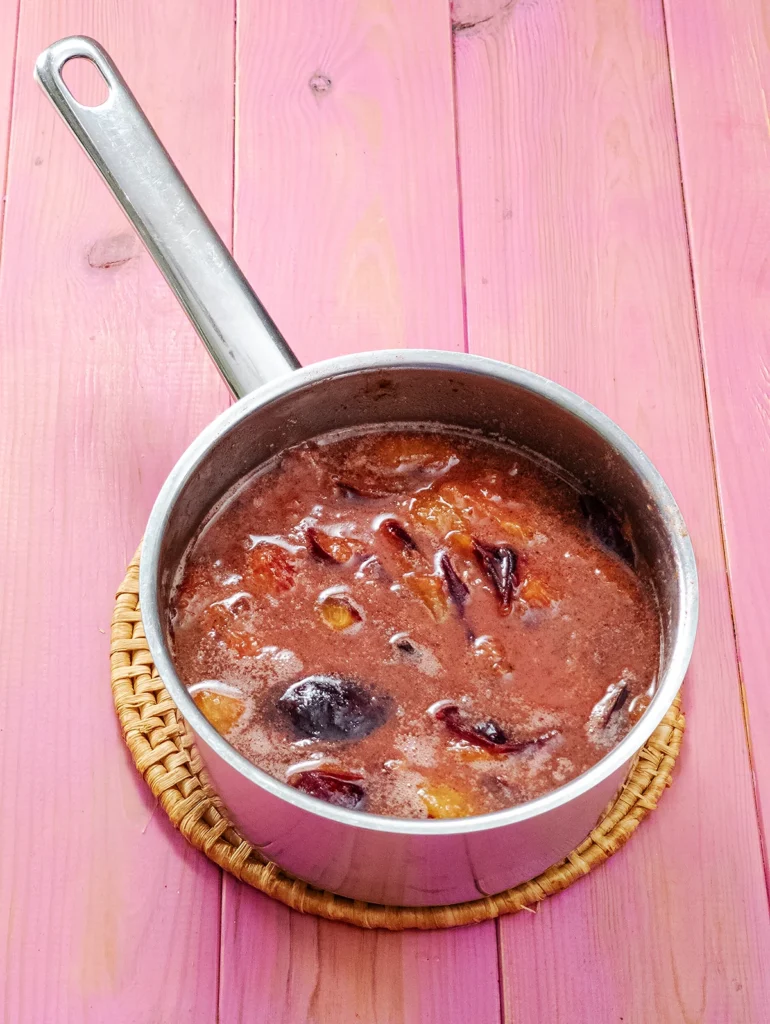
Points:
(235, 326)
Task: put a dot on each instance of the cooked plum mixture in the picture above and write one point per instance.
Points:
(417, 623)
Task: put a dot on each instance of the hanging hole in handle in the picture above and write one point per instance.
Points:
(85, 81)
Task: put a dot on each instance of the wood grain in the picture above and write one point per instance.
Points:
(9, 13)
(283, 967)
(346, 163)
(106, 914)
(721, 75)
(577, 266)
(346, 192)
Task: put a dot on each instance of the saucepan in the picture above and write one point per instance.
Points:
(355, 854)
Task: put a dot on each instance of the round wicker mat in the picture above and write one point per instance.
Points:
(163, 750)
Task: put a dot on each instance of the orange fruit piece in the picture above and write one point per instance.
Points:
(221, 709)
(222, 624)
(516, 531)
(536, 593)
(460, 543)
(443, 801)
(436, 514)
(469, 504)
(457, 497)
(430, 590)
(389, 464)
(271, 567)
(490, 651)
(414, 451)
(338, 613)
(476, 754)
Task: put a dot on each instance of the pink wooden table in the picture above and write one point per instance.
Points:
(579, 186)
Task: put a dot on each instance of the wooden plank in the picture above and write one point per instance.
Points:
(107, 915)
(577, 266)
(346, 167)
(9, 13)
(721, 75)
(346, 197)
(284, 967)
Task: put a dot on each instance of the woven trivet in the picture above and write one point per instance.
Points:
(163, 750)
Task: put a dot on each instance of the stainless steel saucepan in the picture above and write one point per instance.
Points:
(365, 856)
